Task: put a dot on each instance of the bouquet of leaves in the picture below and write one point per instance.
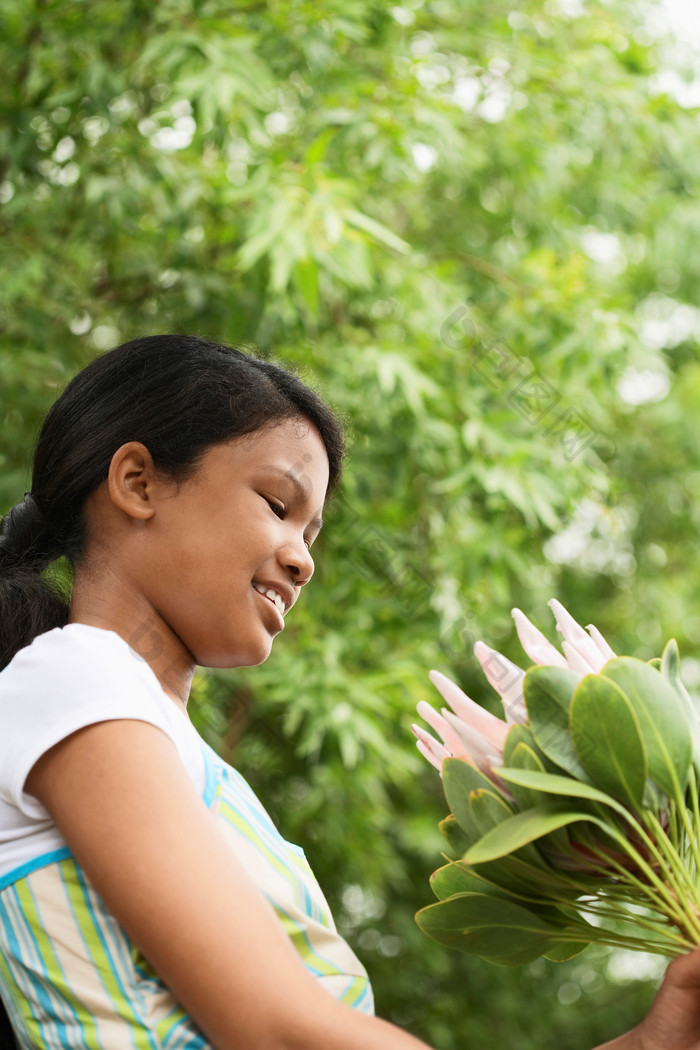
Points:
(575, 820)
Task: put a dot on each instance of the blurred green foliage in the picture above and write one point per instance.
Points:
(474, 226)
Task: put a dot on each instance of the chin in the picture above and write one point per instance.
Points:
(249, 657)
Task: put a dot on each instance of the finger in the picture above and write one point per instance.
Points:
(684, 972)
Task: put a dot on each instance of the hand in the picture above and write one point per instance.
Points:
(673, 1022)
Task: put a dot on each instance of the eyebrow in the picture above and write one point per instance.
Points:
(300, 488)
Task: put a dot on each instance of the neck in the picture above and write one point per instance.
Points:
(144, 631)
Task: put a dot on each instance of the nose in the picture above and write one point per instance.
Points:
(296, 559)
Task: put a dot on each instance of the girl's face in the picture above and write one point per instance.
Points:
(226, 553)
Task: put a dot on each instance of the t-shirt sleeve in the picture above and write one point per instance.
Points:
(66, 679)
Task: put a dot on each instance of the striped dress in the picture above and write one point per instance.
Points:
(70, 978)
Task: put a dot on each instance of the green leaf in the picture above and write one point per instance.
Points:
(526, 873)
(305, 276)
(483, 925)
(548, 692)
(558, 683)
(471, 797)
(317, 150)
(376, 230)
(574, 789)
(671, 670)
(552, 784)
(488, 810)
(671, 661)
(507, 877)
(523, 757)
(517, 734)
(460, 878)
(477, 808)
(524, 828)
(565, 950)
(607, 737)
(522, 734)
(454, 836)
(664, 722)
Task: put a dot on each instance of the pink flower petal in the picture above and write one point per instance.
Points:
(537, 647)
(472, 714)
(516, 713)
(436, 747)
(600, 642)
(430, 747)
(480, 752)
(576, 636)
(479, 748)
(574, 661)
(505, 677)
(427, 753)
(450, 739)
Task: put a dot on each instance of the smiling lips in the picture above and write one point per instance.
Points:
(274, 596)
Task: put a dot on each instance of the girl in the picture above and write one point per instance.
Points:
(146, 899)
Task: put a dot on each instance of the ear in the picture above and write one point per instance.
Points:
(132, 481)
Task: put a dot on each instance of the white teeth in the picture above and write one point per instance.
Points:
(272, 595)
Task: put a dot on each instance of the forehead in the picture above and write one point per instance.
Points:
(293, 447)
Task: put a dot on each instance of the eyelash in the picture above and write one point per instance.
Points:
(281, 513)
(277, 509)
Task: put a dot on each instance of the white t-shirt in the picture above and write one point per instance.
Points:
(68, 967)
(71, 677)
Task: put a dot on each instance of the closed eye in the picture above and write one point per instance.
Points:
(276, 508)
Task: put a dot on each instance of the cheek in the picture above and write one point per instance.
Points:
(189, 560)
(183, 565)
(200, 556)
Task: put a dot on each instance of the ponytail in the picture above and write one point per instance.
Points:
(29, 603)
(176, 394)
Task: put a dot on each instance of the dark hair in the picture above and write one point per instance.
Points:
(178, 395)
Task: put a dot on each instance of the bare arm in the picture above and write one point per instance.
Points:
(123, 801)
(153, 852)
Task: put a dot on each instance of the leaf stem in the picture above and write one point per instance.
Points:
(683, 886)
(673, 904)
(621, 914)
(615, 940)
(665, 902)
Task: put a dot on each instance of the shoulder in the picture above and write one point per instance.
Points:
(72, 653)
(69, 678)
(64, 655)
